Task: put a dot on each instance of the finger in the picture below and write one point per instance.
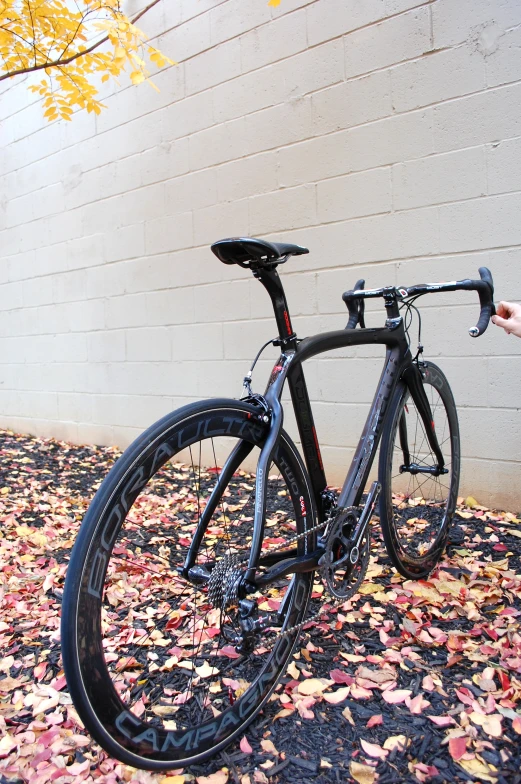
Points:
(504, 309)
(500, 322)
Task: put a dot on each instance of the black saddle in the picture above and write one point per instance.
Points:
(248, 250)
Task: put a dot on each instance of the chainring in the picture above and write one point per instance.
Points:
(341, 576)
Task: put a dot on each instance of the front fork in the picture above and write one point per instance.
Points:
(412, 376)
(199, 574)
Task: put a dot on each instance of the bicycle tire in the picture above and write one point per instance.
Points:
(110, 704)
(423, 507)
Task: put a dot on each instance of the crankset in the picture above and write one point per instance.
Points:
(347, 547)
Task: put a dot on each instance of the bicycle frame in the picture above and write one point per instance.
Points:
(398, 364)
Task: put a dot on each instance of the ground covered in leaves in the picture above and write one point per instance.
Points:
(408, 681)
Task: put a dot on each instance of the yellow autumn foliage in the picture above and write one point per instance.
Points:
(73, 45)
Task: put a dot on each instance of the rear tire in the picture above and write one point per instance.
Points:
(416, 510)
(142, 646)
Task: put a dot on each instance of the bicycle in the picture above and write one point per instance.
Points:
(181, 609)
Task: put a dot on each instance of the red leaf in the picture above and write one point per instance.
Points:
(339, 676)
(457, 747)
(245, 746)
(374, 720)
(442, 721)
(230, 652)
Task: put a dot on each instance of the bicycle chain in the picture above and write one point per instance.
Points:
(228, 570)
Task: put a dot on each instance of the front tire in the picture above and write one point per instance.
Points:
(150, 662)
(416, 510)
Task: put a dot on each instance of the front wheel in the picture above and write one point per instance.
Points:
(156, 663)
(417, 503)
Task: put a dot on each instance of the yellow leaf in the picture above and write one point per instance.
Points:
(137, 77)
(479, 769)
(364, 774)
(470, 502)
(173, 780)
(368, 588)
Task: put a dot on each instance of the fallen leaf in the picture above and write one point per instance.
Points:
(479, 769)
(457, 747)
(311, 686)
(363, 774)
(245, 746)
(337, 696)
(374, 721)
(221, 777)
(373, 749)
(399, 742)
(396, 696)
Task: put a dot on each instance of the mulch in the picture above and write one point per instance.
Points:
(409, 681)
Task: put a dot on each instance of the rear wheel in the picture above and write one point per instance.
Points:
(416, 507)
(155, 663)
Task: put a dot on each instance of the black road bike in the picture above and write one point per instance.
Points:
(191, 577)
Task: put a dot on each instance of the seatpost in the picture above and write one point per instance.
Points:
(272, 283)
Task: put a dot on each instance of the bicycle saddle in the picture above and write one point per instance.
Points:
(244, 250)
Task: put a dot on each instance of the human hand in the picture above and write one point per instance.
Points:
(508, 316)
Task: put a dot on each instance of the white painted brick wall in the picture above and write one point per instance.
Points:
(385, 135)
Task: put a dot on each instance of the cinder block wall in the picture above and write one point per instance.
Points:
(385, 135)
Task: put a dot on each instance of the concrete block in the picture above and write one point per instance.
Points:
(281, 210)
(214, 66)
(229, 219)
(172, 306)
(502, 50)
(265, 44)
(84, 251)
(218, 144)
(195, 190)
(163, 235)
(482, 223)
(236, 17)
(453, 23)
(201, 341)
(11, 296)
(389, 42)
(504, 166)
(185, 117)
(223, 301)
(147, 344)
(440, 178)
(246, 177)
(37, 291)
(476, 119)
(125, 243)
(126, 311)
(354, 195)
(106, 346)
(437, 77)
(274, 127)
(352, 103)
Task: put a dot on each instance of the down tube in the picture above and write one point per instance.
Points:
(356, 479)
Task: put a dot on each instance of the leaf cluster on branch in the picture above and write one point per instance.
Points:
(73, 42)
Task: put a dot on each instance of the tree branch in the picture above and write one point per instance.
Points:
(59, 62)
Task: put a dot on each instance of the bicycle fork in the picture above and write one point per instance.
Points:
(413, 378)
